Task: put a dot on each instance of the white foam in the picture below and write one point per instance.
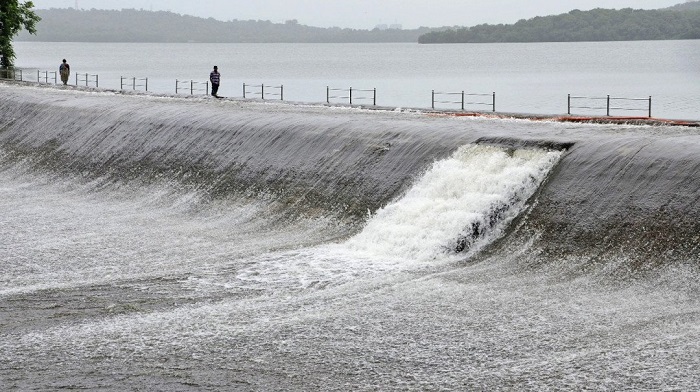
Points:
(454, 194)
(416, 231)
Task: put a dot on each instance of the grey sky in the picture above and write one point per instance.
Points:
(365, 14)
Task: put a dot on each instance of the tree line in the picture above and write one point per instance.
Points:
(18, 19)
(595, 25)
(131, 25)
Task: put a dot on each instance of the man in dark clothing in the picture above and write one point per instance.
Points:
(64, 70)
(215, 78)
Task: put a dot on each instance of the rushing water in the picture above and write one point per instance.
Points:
(526, 78)
(169, 244)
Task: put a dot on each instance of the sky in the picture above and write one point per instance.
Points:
(365, 14)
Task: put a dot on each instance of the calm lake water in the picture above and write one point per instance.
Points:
(526, 78)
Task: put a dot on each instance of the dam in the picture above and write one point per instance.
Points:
(171, 243)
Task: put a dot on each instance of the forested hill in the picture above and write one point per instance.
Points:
(679, 22)
(70, 25)
(130, 25)
(687, 6)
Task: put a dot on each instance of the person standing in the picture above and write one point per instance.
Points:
(215, 78)
(64, 70)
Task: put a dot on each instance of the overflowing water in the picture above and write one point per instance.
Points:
(176, 244)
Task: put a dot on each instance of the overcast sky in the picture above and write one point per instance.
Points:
(365, 14)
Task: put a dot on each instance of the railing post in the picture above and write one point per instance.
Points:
(281, 92)
(262, 91)
(146, 84)
(350, 95)
(191, 87)
(462, 100)
(177, 84)
(97, 81)
(568, 104)
(207, 88)
(608, 106)
(650, 106)
(243, 90)
(493, 103)
(328, 95)
(134, 83)
(432, 99)
(375, 97)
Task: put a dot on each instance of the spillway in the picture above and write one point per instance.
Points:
(201, 244)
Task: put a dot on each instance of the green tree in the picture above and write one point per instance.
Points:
(14, 16)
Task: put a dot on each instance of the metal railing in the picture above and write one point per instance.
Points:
(11, 74)
(191, 86)
(591, 103)
(350, 97)
(443, 96)
(88, 79)
(263, 91)
(133, 82)
(46, 75)
(607, 103)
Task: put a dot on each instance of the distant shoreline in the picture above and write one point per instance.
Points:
(598, 25)
(130, 25)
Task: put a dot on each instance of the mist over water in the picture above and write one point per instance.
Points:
(194, 244)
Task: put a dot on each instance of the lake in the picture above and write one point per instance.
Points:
(525, 77)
